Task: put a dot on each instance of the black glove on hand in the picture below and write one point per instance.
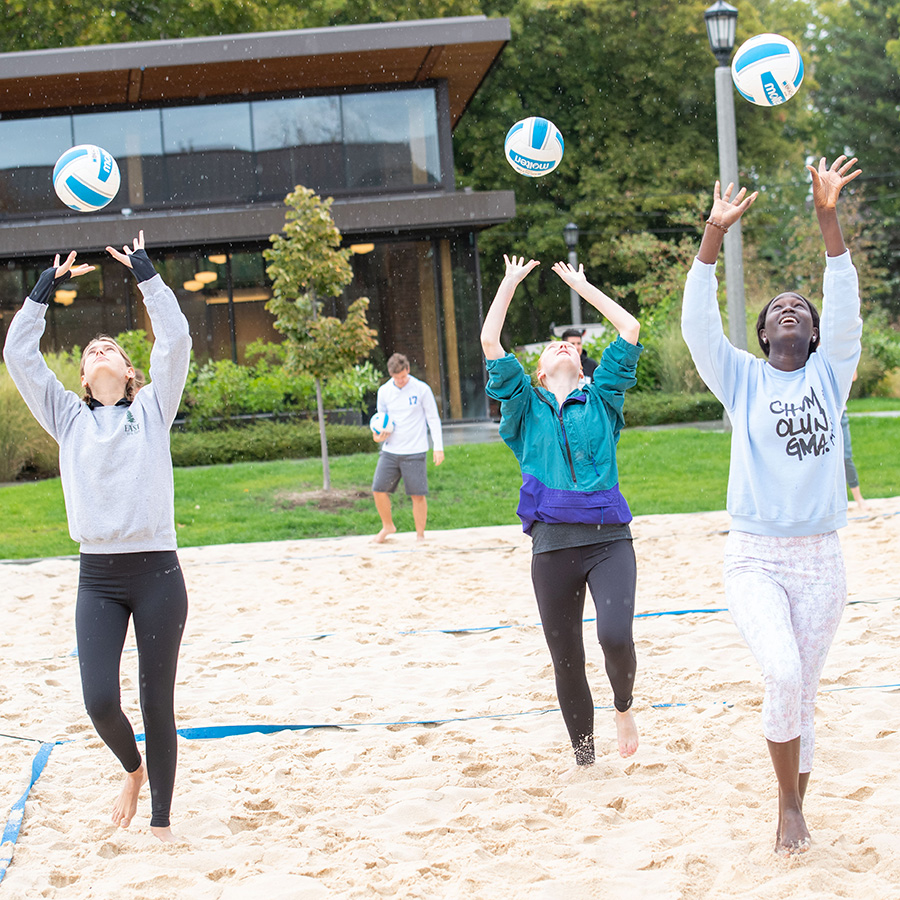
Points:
(47, 285)
(141, 265)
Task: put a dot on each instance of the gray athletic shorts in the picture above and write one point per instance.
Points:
(394, 466)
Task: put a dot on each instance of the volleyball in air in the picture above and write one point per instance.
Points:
(86, 178)
(381, 423)
(767, 69)
(534, 147)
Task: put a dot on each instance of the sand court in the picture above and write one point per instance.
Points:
(428, 757)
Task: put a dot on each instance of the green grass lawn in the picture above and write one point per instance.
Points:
(667, 471)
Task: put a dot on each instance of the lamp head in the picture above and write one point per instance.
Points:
(721, 22)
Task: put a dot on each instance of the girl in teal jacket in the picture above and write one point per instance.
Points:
(564, 438)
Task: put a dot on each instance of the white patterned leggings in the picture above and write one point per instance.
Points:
(786, 596)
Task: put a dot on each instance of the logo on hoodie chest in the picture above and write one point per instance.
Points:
(131, 426)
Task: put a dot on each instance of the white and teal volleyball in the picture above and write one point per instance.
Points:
(534, 147)
(767, 69)
(86, 178)
(381, 423)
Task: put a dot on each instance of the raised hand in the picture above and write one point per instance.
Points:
(725, 210)
(827, 183)
(517, 268)
(125, 257)
(573, 277)
(68, 269)
(136, 259)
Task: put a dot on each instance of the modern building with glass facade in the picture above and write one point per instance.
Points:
(210, 134)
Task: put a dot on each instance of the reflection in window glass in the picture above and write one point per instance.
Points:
(390, 138)
(292, 123)
(134, 138)
(126, 133)
(225, 126)
(298, 142)
(209, 153)
(29, 149)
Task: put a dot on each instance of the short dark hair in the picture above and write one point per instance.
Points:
(761, 323)
(572, 332)
(397, 363)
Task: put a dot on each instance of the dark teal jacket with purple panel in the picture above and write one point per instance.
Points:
(568, 453)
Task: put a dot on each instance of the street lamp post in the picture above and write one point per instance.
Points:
(570, 234)
(721, 19)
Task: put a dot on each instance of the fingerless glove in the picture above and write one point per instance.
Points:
(141, 266)
(47, 285)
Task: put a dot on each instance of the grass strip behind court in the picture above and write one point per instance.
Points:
(680, 470)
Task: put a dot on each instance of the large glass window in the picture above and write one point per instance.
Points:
(298, 141)
(135, 139)
(233, 153)
(391, 138)
(209, 153)
(29, 149)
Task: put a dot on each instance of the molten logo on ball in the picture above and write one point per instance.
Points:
(86, 178)
(534, 147)
(767, 69)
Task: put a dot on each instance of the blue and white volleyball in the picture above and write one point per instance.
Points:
(381, 423)
(534, 147)
(767, 69)
(86, 178)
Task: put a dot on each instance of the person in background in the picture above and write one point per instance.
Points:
(410, 405)
(575, 336)
(849, 467)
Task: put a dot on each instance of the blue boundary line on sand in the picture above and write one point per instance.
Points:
(215, 732)
(484, 629)
(17, 812)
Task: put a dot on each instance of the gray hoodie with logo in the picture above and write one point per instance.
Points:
(114, 460)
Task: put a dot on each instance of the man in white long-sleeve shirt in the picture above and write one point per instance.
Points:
(410, 405)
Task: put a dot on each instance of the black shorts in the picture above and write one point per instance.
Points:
(392, 467)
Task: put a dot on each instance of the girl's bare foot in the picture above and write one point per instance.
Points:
(626, 730)
(164, 834)
(793, 834)
(126, 804)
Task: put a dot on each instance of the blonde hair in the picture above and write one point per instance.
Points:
(132, 385)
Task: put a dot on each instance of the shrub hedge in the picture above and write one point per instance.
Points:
(653, 408)
(267, 440)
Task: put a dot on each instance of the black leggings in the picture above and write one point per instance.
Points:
(559, 578)
(111, 589)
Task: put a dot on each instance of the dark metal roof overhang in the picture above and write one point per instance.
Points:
(400, 215)
(460, 50)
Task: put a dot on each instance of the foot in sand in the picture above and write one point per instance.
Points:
(164, 834)
(794, 835)
(383, 535)
(627, 733)
(126, 804)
